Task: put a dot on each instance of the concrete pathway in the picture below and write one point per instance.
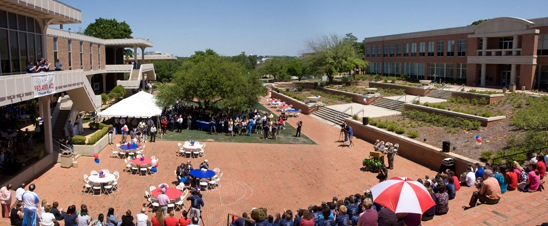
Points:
(369, 110)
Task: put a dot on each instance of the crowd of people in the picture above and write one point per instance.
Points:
(43, 66)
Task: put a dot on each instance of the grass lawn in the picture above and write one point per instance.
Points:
(286, 136)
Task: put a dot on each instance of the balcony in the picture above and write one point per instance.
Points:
(136, 76)
(499, 52)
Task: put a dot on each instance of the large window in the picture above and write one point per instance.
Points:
(440, 48)
(385, 51)
(373, 51)
(392, 68)
(398, 50)
(413, 49)
(422, 49)
(542, 47)
(379, 51)
(414, 70)
(367, 51)
(374, 68)
(392, 50)
(405, 50)
(541, 77)
(20, 42)
(70, 54)
(451, 48)
(461, 51)
(440, 70)
(430, 49)
(461, 71)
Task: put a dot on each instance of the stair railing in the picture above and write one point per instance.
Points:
(342, 112)
(418, 98)
(396, 100)
(460, 87)
(360, 111)
(58, 146)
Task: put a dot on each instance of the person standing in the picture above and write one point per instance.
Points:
(30, 200)
(70, 129)
(80, 125)
(350, 135)
(299, 127)
(196, 203)
(110, 134)
(124, 133)
(171, 220)
(164, 125)
(163, 200)
(5, 200)
(153, 133)
(391, 154)
(19, 193)
(180, 123)
(122, 122)
(212, 126)
(58, 66)
(188, 121)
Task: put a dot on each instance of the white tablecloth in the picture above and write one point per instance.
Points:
(94, 178)
(190, 147)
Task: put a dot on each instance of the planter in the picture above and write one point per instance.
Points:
(370, 90)
(425, 82)
(89, 150)
(66, 160)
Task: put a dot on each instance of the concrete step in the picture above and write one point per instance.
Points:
(330, 115)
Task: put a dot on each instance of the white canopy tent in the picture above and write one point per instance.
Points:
(140, 105)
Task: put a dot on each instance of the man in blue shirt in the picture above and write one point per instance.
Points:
(31, 68)
(58, 66)
(326, 220)
(350, 134)
(241, 221)
(479, 171)
(30, 200)
(342, 217)
(204, 165)
(353, 210)
(195, 204)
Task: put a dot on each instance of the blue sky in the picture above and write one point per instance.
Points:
(281, 27)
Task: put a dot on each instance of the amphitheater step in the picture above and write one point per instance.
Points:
(395, 105)
(331, 115)
(441, 94)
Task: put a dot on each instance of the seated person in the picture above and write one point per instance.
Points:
(489, 191)
(204, 165)
(533, 180)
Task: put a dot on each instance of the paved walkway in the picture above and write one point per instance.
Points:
(276, 177)
(422, 100)
(369, 110)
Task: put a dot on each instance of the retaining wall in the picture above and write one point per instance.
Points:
(358, 98)
(305, 109)
(421, 153)
(89, 150)
(484, 121)
(491, 98)
(417, 91)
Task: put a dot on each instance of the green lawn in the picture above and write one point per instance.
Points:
(286, 136)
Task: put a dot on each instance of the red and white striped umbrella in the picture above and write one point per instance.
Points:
(402, 195)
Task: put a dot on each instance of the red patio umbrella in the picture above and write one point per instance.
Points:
(402, 195)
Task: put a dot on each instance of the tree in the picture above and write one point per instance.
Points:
(477, 22)
(214, 81)
(331, 55)
(165, 70)
(277, 67)
(359, 47)
(108, 29)
(298, 67)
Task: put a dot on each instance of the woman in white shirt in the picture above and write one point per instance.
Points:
(83, 218)
(48, 219)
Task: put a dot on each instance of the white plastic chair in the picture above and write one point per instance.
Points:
(116, 175)
(96, 187)
(108, 188)
(203, 184)
(195, 153)
(152, 188)
(93, 172)
(114, 153)
(128, 165)
(106, 171)
(134, 168)
(188, 153)
(144, 170)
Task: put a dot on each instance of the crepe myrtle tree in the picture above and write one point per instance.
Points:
(213, 81)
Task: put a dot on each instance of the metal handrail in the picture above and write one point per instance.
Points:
(360, 111)
(396, 100)
(342, 112)
(460, 87)
(58, 146)
(416, 98)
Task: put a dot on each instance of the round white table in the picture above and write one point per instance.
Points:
(94, 178)
(190, 147)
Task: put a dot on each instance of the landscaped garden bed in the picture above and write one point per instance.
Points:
(328, 99)
(361, 90)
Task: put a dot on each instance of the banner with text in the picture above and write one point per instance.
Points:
(44, 84)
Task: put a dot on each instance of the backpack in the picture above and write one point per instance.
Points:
(258, 214)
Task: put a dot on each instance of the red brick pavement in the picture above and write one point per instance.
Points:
(276, 177)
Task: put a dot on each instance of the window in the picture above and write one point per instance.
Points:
(405, 50)
(379, 51)
(430, 49)
(414, 70)
(421, 49)
(70, 54)
(55, 56)
(506, 43)
(373, 51)
(461, 71)
(367, 51)
(385, 51)
(451, 48)
(440, 48)
(392, 50)
(398, 50)
(99, 56)
(440, 70)
(19, 42)
(461, 51)
(90, 56)
(374, 68)
(542, 47)
(81, 55)
(413, 49)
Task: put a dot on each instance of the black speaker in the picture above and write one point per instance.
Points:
(365, 121)
(446, 146)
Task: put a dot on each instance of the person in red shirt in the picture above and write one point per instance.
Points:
(456, 179)
(171, 221)
(184, 221)
(158, 218)
(541, 166)
(164, 125)
(513, 178)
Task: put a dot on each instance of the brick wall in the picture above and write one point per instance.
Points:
(413, 150)
(95, 56)
(49, 45)
(62, 52)
(417, 91)
(358, 98)
(75, 55)
(103, 57)
(86, 55)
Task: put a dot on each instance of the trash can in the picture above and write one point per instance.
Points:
(66, 160)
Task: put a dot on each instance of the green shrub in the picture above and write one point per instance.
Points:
(412, 133)
(97, 136)
(120, 90)
(77, 139)
(104, 98)
(355, 117)
(391, 127)
(486, 113)
(400, 130)
(372, 122)
(382, 124)
(486, 155)
(300, 87)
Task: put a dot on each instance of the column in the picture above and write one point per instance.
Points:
(514, 46)
(135, 56)
(104, 82)
(483, 72)
(46, 115)
(484, 46)
(143, 55)
(513, 74)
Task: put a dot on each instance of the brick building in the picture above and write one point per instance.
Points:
(495, 53)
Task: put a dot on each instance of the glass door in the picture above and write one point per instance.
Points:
(505, 78)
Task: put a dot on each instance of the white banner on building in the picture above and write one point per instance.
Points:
(44, 84)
